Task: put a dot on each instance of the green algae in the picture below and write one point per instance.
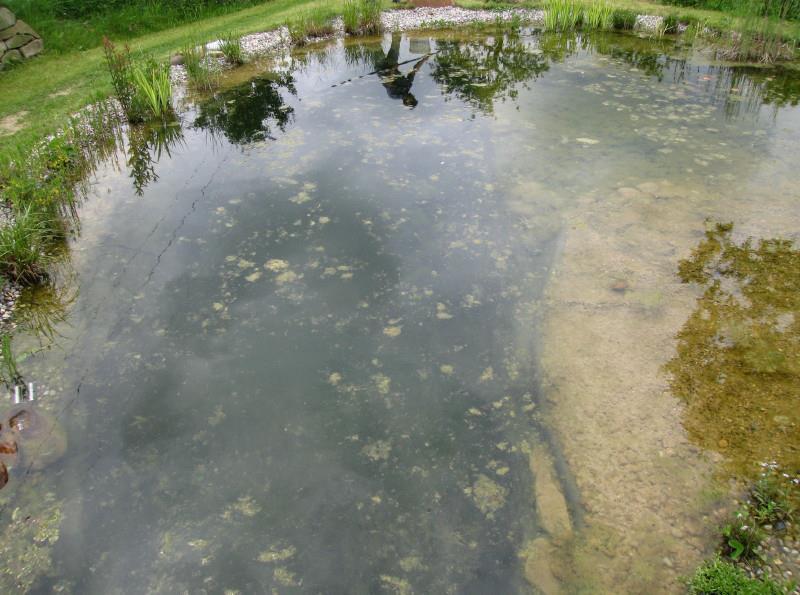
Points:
(738, 359)
(30, 530)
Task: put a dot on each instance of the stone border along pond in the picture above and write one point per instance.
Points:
(258, 44)
(18, 41)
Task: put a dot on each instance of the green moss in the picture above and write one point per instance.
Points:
(738, 359)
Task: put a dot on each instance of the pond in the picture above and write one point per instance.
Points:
(395, 316)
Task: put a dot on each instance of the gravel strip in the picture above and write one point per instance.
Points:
(420, 18)
(9, 294)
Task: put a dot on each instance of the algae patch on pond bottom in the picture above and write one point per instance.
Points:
(738, 360)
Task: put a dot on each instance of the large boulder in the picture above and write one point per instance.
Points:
(7, 18)
(18, 41)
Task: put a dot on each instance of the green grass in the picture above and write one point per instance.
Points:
(69, 25)
(362, 17)
(718, 577)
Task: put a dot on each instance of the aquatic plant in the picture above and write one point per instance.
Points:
(598, 15)
(120, 67)
(742, 536)
(231, 48)
(771, 499)
(561, 15)
(153, 90)
(23, 246)
(202, 75)
(362, 17)
(9, 372)
(719, 577)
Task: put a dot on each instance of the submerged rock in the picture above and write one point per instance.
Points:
(31, 438)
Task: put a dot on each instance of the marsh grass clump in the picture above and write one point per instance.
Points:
(599, 15)
(42, 188)
(313, 24)
(24, 245)
(759, 40)
(624, 19)
(718, 577)
(201, 72)
(562, 15)
(362, 17)
(231, 47)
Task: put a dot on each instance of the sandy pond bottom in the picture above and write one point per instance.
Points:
(395, 318)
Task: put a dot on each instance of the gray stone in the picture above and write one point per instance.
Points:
(7, 18)
(20, 27)
(18, 41)
(33, 48)
(12, 56)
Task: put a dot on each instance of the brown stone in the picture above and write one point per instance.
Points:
(33, 48)
(18, 41)
(17, 29)
(7, 18)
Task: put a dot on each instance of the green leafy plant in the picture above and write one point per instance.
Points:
(231, 47)
(120, 67)
(771, 500)
(598, 15)
(153, 89)
(742, 537)
(718, 577)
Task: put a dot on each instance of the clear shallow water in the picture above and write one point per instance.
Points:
(302, 350)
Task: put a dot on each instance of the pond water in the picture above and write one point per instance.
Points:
(391, 316)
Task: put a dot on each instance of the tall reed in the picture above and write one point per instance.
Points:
(231, 47)
(561, 15)
(202, 74)
(362, 17)
(598, 15)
